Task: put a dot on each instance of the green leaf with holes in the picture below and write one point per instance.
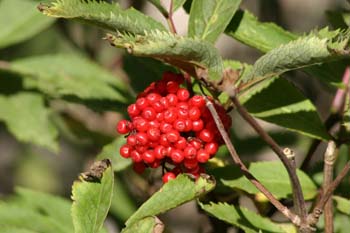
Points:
(92, 198)
(108, 16)
(208, 18)
(28, 119)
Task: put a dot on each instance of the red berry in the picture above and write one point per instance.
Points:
(141, 103)
(173, 136)
(197, 125)
(141, 149)
(149, 113)
(139, 167)
(148, 156)
(125, 151)
(194, 113)
(211, 148)
(202, 156)
(172, 99)
(160, 117)
(123, 127)
(179, 125)
(183, 94)
(165, 127)
(172, 87)
(182, 113)
(133, 110)
(177, 156)
(159, 152)
(197, 101)
(170, 115)
(163, 140)
(168, 176)
(153, 97)
(140, 124)
(131, 140)
(157, 106)
(196, 143)
(136, 156)
(183, 105)
(206, 135)
(141, 139)
(190, 152)
(156, 163)
(153, 134)
(154, 124)
(190, 164)
(181, 143)
(164, 102)
(188, 124)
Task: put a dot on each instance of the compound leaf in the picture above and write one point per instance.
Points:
(208, 18)
(28, 119)
(275, 178)
(25, 21)
(92, 196)
(109, 16)
(241, 217)
(182, 52)
(172, 194)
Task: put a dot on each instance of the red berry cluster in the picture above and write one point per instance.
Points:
(170, 127)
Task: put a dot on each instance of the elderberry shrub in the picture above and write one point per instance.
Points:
(170, 128)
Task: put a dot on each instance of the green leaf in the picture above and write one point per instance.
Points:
(111, 151)
(70, 76)
(27, 118)
(343, 204)
(92, 196)
(103, 14)
(306, 51)
(7, 229)
(275, 178)
(208, 18)
(163, 8)
(145, 225)
(277, 101)
(241, 217)
(182, 52)
(20, 20)
(172, 194)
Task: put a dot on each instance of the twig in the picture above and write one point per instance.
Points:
(170, 18)
(296, 187)
(329, 158)
(317, 211)
(295, 219)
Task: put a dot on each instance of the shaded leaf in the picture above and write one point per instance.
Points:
(277, 101)
(275, 178)
(172, 194)
(109, 16)
(111, 151)
(70, 76)
(28, 119)
(208, 18)
(145, 225)
(241, 217)
(182, 52)
(92, 196)
(25, 21)
(343, 204)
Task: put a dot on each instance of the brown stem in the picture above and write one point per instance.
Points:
(296, 187)
(295, 219)
(317, 211)
(329, 159)
(170, 19)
